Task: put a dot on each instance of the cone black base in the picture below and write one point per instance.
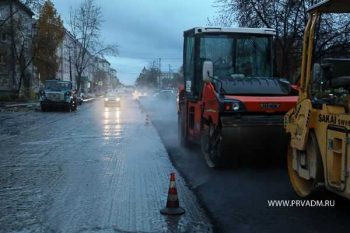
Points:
(172, 211)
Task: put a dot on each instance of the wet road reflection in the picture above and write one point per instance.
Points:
(97, 170)
(112, 127)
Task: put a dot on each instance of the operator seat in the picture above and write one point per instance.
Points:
(337, 72)
(342, 81)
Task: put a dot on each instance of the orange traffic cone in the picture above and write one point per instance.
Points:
(172, 204)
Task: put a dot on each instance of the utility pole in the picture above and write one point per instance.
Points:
(70, 65)
(169, 71)
(159, 73)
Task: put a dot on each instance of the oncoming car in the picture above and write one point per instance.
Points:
(112, 100)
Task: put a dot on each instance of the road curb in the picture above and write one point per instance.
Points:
(32, 105)
(25, 105)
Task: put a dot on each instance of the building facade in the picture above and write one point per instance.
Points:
(17, 72)
(16, 36)
(65, 53)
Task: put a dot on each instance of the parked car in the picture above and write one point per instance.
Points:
(58, 94)
(112, 99)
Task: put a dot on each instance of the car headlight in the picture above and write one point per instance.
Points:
(106, 99)
(233, 106)
(117, 99)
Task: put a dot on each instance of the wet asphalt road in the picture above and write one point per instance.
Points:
(236, 199)
(95, 170)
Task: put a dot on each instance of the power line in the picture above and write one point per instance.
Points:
(153, 58)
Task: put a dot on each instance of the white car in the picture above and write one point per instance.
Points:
(112, 100)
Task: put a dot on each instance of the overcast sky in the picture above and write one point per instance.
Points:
(146, 30)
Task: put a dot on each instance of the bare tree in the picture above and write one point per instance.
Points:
(85, 25)
(23, 50)
(288, 18)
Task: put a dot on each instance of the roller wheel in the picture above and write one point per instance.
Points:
(302, 186)
(181, 130)
(211, 145)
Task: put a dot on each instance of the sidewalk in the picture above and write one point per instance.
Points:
(13, 104)
(19, 105)
(27, 105)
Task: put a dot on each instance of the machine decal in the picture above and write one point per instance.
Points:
(188, 86)
(343, 122)
(333, 119)
(210, 110)
(269, 106)
(327, 118)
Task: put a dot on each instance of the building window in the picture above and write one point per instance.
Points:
(2, 58)
(3, 36)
